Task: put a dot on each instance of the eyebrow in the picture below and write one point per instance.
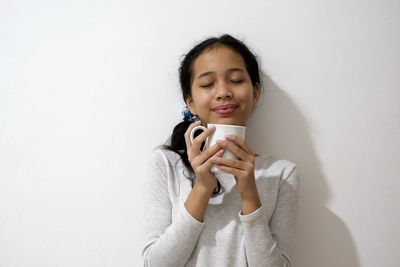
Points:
(211, 72)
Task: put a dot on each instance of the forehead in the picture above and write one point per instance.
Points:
(218, 59)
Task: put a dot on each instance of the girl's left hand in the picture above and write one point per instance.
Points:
(243, 167)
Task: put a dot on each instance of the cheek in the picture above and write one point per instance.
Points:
(245, 96)
(201, 99)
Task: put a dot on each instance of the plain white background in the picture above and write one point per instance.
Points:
(88, 88)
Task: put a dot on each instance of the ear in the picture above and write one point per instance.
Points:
(256, 94)
(191, 106)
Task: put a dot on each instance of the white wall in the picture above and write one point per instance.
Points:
(88, 88)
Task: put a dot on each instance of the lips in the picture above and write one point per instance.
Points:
(226, 109)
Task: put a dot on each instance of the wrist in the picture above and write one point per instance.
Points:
(202, 190)
(249, 193)
(250, 201)
(197, 202)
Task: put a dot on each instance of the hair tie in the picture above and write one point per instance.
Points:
(188, 116)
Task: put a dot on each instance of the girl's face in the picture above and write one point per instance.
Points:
(222, 91)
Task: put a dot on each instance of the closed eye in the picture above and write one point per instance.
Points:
(206, 85)
(236, 81)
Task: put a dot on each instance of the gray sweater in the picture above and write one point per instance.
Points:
(225, 238)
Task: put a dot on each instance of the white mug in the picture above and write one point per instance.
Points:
(221, 131)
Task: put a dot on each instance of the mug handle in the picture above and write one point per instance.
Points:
(198, 127)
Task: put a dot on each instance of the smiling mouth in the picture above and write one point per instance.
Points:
(225, 110)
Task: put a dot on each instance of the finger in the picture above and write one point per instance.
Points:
(241, 143)
(232, 147)
(188, 131)
(207, 154)
(233, 163)
(235, 172)
(248, 154)
(198, 141)
(210, 162)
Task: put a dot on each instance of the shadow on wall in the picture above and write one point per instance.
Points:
(279, 129)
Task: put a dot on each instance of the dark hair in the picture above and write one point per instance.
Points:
(176, 142)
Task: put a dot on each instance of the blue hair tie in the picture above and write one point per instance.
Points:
(188, 116)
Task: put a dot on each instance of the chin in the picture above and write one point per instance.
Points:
(229, 121)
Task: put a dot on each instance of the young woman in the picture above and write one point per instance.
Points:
(193, 217)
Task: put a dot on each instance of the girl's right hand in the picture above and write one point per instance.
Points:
(201, 161)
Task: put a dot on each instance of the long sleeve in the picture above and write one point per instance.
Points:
(169, 239)
(269, 244)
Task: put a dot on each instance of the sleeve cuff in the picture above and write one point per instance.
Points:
(189, 218)
(252, 216)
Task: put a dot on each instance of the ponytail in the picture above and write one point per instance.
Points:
(177, 143)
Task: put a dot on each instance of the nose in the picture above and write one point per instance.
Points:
(223, 91)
